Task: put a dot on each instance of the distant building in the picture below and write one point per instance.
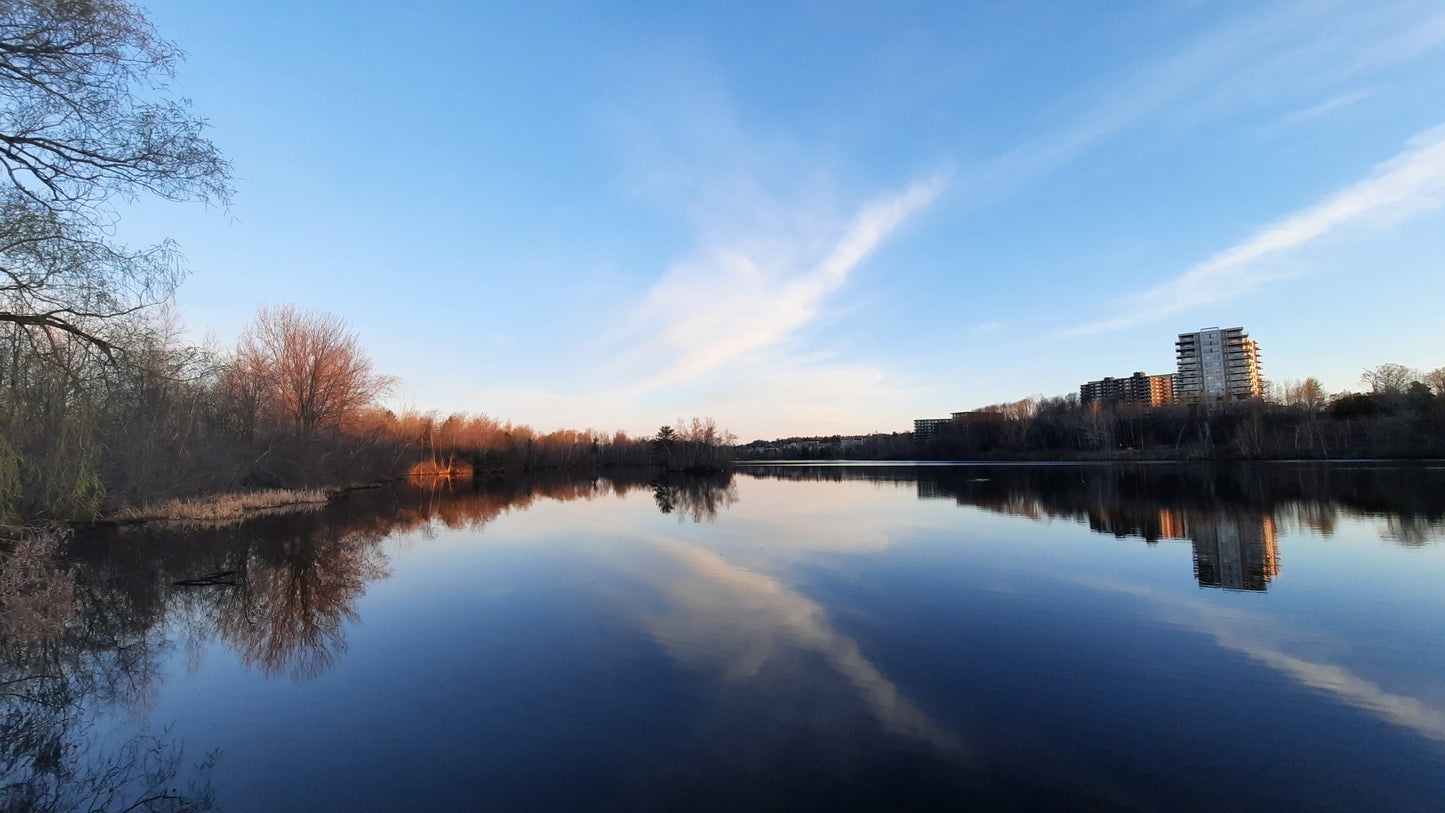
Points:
(1150, 390)
(1217, 364)
(925, 428)
(977, 416)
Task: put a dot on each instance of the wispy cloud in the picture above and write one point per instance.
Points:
(725, 333)
(730, 303)
(1409, 183)
(728, 336)
(1315, 111)
(1262, 58)
(779, 227)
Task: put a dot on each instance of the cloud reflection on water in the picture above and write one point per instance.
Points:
(839, 631)
(1257, 638)
(736, 620)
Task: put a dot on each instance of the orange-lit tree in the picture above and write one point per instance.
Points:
(308, 368)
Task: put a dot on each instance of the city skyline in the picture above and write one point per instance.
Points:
(816, 219)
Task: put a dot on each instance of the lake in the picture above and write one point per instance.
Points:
(836, 636)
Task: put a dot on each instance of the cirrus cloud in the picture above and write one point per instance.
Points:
(1406, 185)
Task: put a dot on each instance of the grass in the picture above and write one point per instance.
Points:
(226, 508)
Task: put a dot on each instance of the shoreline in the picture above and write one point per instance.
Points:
(1075, 461)
(233, 507)
(225, 508)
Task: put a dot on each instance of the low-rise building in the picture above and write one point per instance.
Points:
(978, 416)
(925, 428)
(1148, 390)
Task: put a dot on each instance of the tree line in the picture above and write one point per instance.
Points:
(294, 403)
(1400, 414)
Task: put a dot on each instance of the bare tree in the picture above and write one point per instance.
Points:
(1388, 378)
(1435, 380)
(308, 366)
(84, 118)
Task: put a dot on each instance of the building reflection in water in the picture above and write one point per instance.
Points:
(1230, 512)
(1235, 552)
(1236, 546)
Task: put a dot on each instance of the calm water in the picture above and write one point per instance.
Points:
(1153, 637)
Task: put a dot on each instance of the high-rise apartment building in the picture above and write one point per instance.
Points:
(1217, 364)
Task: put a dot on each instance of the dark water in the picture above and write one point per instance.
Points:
(1159, 637)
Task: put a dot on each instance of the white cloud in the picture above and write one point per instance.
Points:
(726, 331)
(721, 335)
(1315, 111)
(714, 310)
(1410, 183)
(1261, 59)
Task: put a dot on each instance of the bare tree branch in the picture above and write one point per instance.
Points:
(84, 117)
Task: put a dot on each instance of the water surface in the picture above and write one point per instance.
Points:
(1147, 637)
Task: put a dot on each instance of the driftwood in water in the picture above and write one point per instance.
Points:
(226, 577)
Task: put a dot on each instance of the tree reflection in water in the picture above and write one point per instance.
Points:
(84, 625)
(297, 595)
(298, 579)
(85, 631)
(1230, 513)
(70, 651)
(695, 496)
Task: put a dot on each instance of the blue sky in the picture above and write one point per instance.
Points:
(816, 218)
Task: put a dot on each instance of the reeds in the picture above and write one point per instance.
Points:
(230, 507)
(449, 469)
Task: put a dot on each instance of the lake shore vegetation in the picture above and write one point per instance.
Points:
(165, 430)
(227, 508)
(1402, 415)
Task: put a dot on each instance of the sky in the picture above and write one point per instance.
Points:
(815, 218)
